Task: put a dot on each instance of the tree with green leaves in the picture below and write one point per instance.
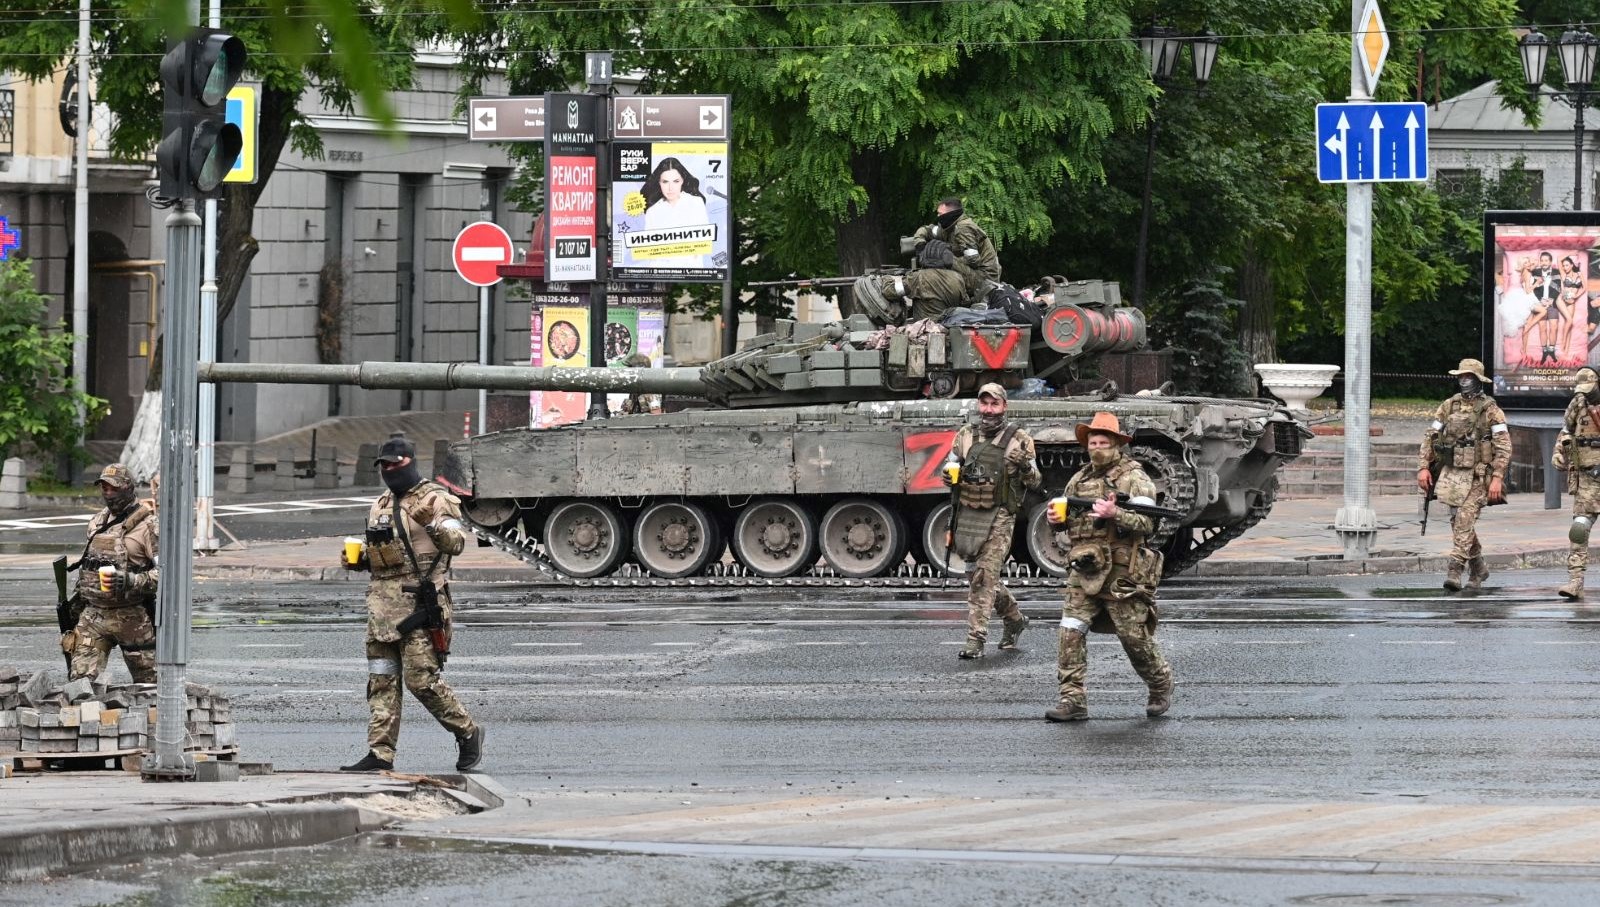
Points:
(38, 402)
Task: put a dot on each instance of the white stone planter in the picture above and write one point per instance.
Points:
(1297, 384)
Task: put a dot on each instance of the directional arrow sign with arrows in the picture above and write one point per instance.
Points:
(1372, 143)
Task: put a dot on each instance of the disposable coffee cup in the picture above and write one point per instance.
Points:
(952, 472)
(108, 576)
(1058, 510)
(352, 550)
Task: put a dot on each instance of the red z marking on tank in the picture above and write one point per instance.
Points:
(933, 447)
(992, 357)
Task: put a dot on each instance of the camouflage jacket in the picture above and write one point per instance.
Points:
(1017, 474)
(131, 546)
(432, 518)
(1467, 433)
(1124, 475)
(976, 257)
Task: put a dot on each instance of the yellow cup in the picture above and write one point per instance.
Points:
(1057, 510)
(952, 471)
(108, 576)
(352, 550)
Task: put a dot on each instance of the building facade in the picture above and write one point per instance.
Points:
(1473, 135)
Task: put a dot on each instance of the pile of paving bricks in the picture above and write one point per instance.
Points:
(38, 715)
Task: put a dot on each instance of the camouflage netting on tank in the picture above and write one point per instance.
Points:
(40, 715)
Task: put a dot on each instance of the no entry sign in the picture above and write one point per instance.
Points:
(480, 249)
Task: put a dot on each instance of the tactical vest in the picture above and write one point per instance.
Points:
(1583, 425)
(984, 483)
(1466, 439)
(386, 554)
(1081, 524)
(110, 547)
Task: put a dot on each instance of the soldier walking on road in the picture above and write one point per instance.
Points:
(1578, 455)
(996, 461)
(413, 530)
(117, 580)
(1112, 586)
(1463, 463)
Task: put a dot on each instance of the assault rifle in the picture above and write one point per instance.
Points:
(65, 619)
(1430, 494)
(1123, 502)
(427, 615)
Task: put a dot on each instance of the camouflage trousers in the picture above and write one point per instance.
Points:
(1464, 545)
(410, 661)
(987, 593)
(101, 629)
(1131, 617)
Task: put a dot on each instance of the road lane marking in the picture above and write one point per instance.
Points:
(531, 645)
(1417, 642)
(1566, 642)
(270, 645)
(674, 644)
(1272, 642)
(838, 643)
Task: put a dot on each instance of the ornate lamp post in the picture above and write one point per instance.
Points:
(1577, 49)
(1161, 46)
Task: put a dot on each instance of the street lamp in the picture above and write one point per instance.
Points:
(1161, 46)
(1577, 50)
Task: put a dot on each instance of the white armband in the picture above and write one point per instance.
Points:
(1499, 429)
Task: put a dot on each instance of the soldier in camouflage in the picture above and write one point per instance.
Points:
(997, 462)
(975, 256)
(413, 530)
(1577, 454)
(1112, 585)
(123, 536)
(1463, 462)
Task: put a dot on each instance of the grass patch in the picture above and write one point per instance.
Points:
(54, 489)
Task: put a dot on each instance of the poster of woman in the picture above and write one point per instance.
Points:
(1544, 314)
(670, 211)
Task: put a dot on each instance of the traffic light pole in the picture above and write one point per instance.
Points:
(180, 311)
(205, 536)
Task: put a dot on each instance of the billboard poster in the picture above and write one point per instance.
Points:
(570, 179)
(1542, 280)
(561, 338)
(635, 324)
(669, 211)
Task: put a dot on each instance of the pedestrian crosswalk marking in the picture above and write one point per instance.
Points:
(60, 521)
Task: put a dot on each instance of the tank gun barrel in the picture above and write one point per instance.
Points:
(461, 375)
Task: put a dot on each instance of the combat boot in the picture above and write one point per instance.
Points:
(1452, 580)
(1160, 699)
(1574, 587)
(973, 649)
(469, 750)
(369, 763)
(1068, 711)
(1478, 571)
(1008, 642)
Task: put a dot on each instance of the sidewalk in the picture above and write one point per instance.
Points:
(1296, 539)
(56, 822)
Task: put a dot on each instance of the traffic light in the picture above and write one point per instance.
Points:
(198, 145)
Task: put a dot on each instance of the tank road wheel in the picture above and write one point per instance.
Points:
(676, 538)
(934, 526)
(490, 513)
(1046, 544)
(585, 538)
(774, 537)
(862, 538)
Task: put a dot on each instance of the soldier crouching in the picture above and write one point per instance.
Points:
(413, 530)
(996, 460)
(1463, 462)
(1577, 454)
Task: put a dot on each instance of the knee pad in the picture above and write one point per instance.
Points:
(1578, 534)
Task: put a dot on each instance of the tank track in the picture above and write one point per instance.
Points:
(1202, 549)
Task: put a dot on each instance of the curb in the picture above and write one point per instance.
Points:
(36, 851)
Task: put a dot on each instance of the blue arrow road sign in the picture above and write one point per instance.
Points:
(1372, 143)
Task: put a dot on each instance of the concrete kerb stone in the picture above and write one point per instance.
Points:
(35, 851)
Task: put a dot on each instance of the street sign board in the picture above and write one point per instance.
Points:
(571, 174)
(480, 249)
(241, 112)
(1372, 143)
(650, 117)
(505, 119)
(1371, 44)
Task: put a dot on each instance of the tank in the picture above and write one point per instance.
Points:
(821, 458)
